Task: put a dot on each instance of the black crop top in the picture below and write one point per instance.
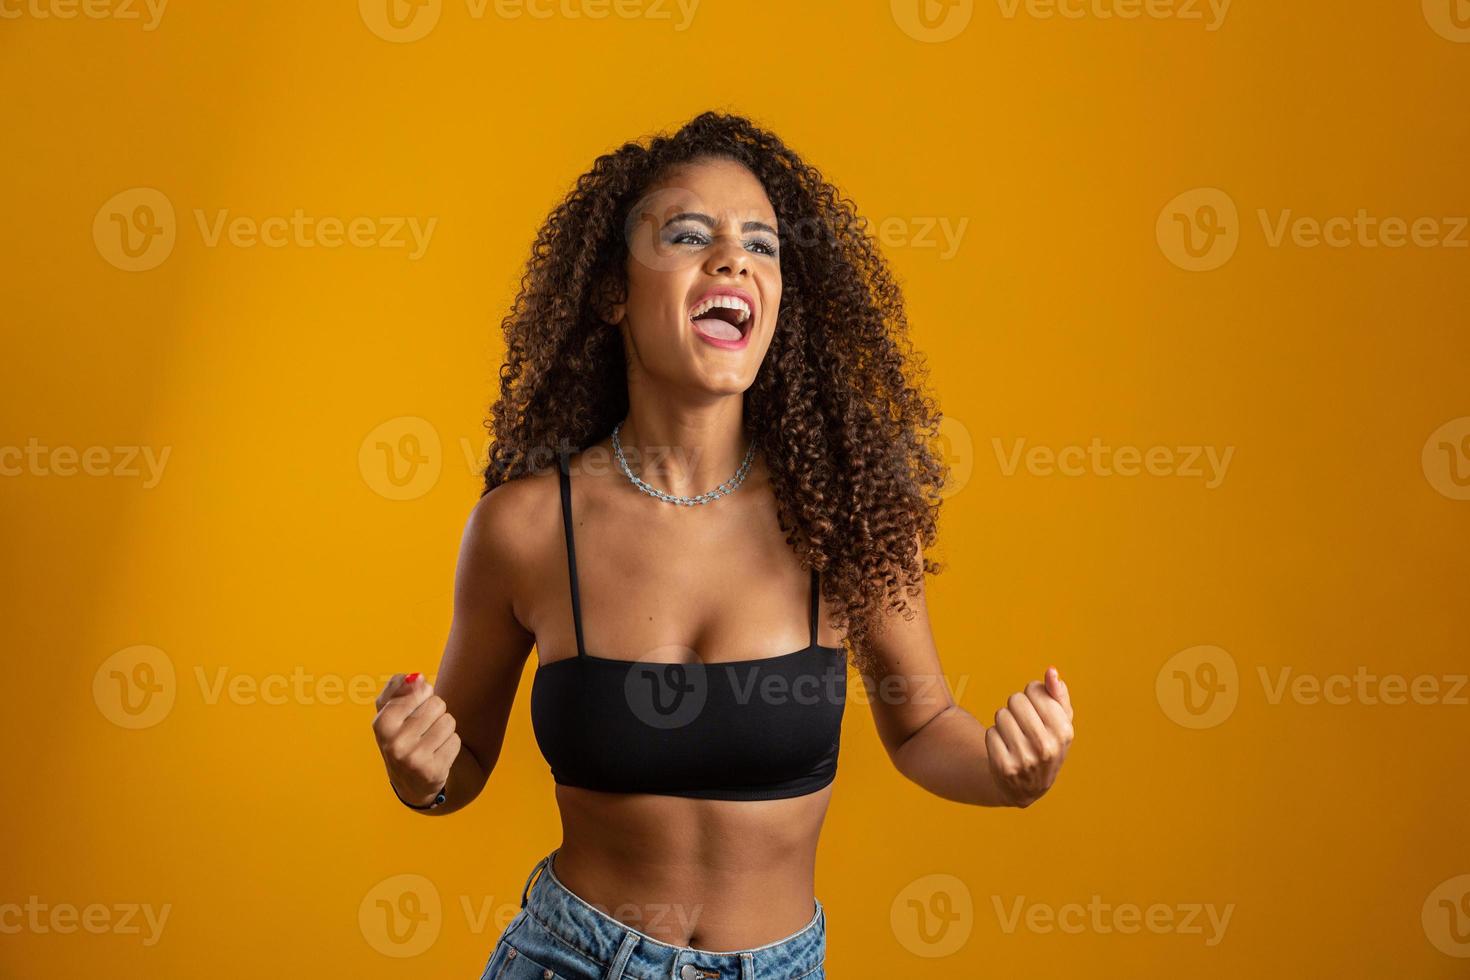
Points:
(760, 729)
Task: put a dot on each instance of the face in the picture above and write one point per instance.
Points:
(703, 279)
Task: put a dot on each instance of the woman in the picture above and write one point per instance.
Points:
(709, 451)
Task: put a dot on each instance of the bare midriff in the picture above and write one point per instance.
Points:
(715, 875)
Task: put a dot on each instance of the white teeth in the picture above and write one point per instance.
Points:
(725, 302)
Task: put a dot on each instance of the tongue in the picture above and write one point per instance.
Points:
(715, 327)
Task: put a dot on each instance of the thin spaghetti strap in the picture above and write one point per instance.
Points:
(816, 588)
(566, 518)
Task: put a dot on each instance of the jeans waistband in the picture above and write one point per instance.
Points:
(621, 948)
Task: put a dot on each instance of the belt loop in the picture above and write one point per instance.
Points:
(620, 961)
(527, 890)
(747, 966)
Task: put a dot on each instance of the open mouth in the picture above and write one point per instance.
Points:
(722, 317)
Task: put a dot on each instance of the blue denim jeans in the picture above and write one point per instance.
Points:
(558, 936)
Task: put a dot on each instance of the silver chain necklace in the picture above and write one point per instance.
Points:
(703, 498)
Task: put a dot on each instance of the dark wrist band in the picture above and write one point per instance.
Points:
(438, 798)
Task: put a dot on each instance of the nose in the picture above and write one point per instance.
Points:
(727, 257)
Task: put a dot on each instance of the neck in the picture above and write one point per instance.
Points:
(685, 451)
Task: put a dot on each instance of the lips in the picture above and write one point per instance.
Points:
(723, 315)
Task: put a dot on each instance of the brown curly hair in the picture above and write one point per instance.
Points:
(837, 409)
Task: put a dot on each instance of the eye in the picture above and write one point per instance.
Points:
(761, 245)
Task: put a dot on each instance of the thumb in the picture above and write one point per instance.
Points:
(404, 685)
(1057, 688)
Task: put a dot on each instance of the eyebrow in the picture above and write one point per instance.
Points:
(709, 222)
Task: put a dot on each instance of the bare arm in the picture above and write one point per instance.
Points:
(942, 747)
(478, 674)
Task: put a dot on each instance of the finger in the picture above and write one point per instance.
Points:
(1054, 716)
(1015, 739)
(390, 718)
(1053, 713)
(1057, 688)
(386, 693)
(438, 732)
(1000, 756)
(424, 714)
(397, 686)
(1025, 714)
(445, 754)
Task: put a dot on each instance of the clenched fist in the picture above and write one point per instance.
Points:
(416, 736)
(1030, 738)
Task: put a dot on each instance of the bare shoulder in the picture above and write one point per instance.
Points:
(511, 522)
(509, 535)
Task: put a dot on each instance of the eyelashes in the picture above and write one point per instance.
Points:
(766, 246)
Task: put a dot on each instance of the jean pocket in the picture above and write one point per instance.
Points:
(497, 956)
(496, 963)
(509, 963)
(533, 953)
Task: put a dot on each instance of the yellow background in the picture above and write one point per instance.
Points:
(271, 547)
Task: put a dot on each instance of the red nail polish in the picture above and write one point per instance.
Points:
(411, 678)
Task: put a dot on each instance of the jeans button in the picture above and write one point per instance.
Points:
(689, 972)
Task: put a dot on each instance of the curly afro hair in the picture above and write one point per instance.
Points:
(837, 409)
